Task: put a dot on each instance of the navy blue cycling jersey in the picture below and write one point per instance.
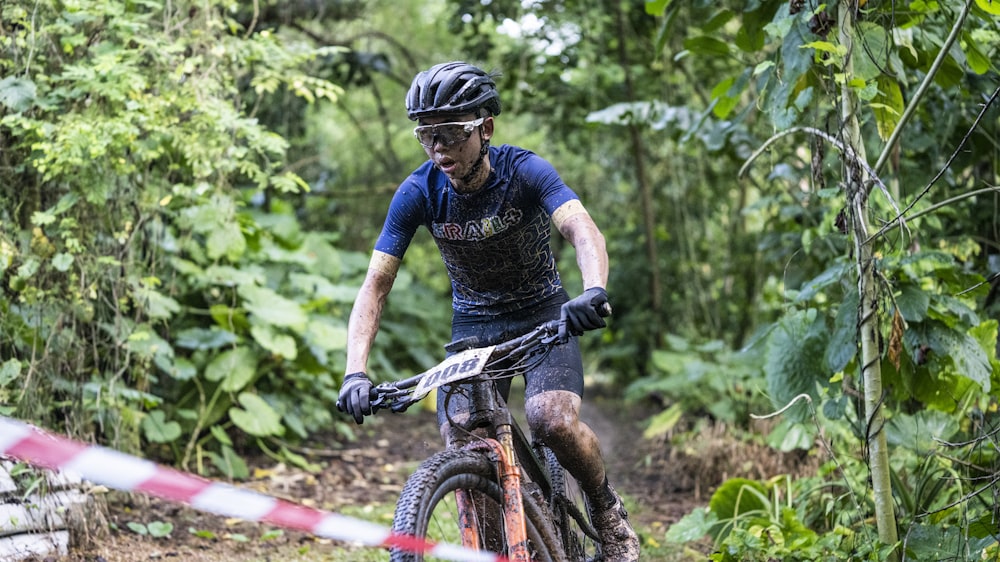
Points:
(495, 241)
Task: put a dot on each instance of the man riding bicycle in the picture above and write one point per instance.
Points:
(489, 209)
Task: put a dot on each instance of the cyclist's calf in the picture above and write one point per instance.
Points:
(554, 418)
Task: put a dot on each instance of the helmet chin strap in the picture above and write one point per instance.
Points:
(484, 148)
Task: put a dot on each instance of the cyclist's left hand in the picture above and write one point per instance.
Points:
(585, 312)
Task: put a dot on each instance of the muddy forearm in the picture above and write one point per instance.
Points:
(367, 311)
(576, 225)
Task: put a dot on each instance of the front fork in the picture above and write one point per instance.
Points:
(502, 450)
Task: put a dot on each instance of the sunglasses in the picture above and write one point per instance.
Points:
(446, 133)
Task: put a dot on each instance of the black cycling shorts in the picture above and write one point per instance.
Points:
(562, 369)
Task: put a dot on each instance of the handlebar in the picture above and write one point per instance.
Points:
(398, 395)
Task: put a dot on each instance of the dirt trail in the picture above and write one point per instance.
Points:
(371, 470)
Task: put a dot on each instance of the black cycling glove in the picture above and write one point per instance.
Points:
(585, 312)
(354, 397)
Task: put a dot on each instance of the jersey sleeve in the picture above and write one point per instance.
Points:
(405, 215)
(552, 190)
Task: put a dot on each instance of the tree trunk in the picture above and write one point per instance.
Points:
(871, 372)
(645, 191)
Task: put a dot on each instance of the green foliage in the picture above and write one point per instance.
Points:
(943, 349)
(185, 216)
(750, 520)
(936, 337)
(156, 277)
(794, 363)
(823, 517)
(702, 379)
(156, 529)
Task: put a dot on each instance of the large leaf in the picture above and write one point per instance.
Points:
(978, 61)
(655, 115)
(969, 357)
(794, 361)
(831, 276)
(257, 417)
(843, 343)
(145, 342)
(692, 526)
(178, 368)
(270, 307)
(10, 370)
(204, 338)
(986, 335)
(944, 363)
(938, 542)
(155, 304)
(280, 345)
(913, 303)
(735, 499)
(918, 432)
(226, 240)
(235, 368)
(991, 7)
(206, 218)
(233, 277)
(707, 45)
(319, 287)
(323, 336)
(656, 7)
(887, 106)
(663, 422)
(870, 51)
(789, 436)
(724, 101)
(17, 93)
(158, 430)
(750, 38)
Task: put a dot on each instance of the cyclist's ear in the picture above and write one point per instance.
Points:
(488, 127)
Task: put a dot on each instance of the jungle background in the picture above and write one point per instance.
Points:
(800, 201)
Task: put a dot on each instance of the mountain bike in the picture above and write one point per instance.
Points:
(496, 490)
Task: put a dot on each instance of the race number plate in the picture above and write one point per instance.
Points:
(458, 367)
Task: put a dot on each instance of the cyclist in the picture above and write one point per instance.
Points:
(490, 210)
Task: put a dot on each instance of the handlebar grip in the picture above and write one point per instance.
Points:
(462, 344)
(605, 310)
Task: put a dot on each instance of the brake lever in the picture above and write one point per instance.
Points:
(551, 330)
(385, 395)
(400, 406)
(554, 339)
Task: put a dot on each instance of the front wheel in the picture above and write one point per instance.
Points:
(427, 507)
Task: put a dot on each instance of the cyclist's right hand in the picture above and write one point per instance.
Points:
(354, 396)
(585, 312)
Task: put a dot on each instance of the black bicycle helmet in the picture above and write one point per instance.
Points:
(451, 88)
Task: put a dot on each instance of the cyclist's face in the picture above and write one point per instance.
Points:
(453, 150)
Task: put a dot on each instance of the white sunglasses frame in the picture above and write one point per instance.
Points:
(468, 127)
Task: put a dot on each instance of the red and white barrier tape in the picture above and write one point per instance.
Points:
(131, 474)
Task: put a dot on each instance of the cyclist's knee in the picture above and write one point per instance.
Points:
(553, 416)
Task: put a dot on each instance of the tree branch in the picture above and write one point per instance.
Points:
(848, 152)
(928, 79)
(945, 168)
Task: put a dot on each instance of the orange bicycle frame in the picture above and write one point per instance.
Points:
(515, 528)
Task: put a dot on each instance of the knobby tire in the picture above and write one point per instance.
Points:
(426, 506)
(570, 511)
